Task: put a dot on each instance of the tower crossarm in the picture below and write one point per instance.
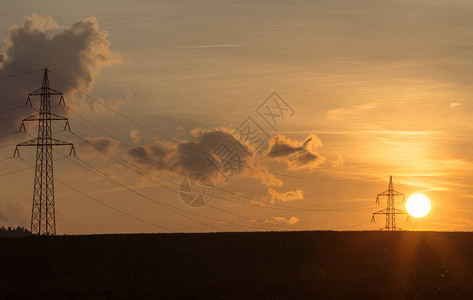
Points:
(388, 192)
(385, 211)
(381, 212)
(52, 117)
(45, 91)
(45, 142)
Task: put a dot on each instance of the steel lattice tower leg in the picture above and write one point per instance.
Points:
(390, 212)
(390, 217)
(43, 215)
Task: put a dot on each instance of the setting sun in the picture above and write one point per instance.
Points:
(418, 205)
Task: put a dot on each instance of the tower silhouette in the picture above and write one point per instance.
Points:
(43, 215)
(390, 211)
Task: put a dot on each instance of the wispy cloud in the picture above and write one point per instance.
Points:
(210, 46)
(282, 220)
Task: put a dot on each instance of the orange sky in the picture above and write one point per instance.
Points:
(384, 88)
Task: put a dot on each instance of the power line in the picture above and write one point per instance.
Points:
(14, 133)
(440, 210)
(13, 144)
(127, 165)
(114, 208)
(15, 116)
(13, 172)
(20, 170)
(351, 226)
(164, 205)
(7, 158)
(20, 74)
(11, 109)
(124, 163)
(100, 202)
(278, 206)
(193, 149)
(170, 139)
(270, 205)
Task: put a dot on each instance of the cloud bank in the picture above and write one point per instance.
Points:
(77, 54)
(203, 154)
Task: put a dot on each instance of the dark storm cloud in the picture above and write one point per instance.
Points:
(158, 155)
(296, 155)
(195, 156)
(77, 54)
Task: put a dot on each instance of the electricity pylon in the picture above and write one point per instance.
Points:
(43, 215)
(390, 210)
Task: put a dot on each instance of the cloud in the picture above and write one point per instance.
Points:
(296, 155)
(13, 214)
(135, 136)
(282, 220)
(89, 144)
(38, 23)
(344, 113)
(454, 104)
(215, 152)
(210, 46)
(77, 54)
(288, 196)
(158, 155)
(338, 162)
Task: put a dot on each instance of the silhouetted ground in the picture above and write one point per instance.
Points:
(14, 232)
(370, 265)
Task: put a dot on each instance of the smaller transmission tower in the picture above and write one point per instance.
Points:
(390, 211)
(43, 215)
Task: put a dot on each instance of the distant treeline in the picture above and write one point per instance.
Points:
(14, 232)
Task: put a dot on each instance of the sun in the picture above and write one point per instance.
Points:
(418, 205)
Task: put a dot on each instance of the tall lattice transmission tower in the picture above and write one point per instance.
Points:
(390, 211)
(43, 215)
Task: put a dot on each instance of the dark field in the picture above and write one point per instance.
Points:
(402, 265)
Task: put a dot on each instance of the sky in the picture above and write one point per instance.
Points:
(369, 90)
